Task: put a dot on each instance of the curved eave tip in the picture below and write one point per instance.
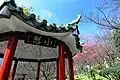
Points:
(79, 16)
(76, 21)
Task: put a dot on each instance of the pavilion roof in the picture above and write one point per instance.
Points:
(32, 20)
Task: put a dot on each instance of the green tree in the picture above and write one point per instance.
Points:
(112, 72)
(27, 10)
(116, 40)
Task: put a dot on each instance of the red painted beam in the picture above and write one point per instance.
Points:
(61, 62)
(7, 60)
(70, 61)
(38, 71)
(14, 70)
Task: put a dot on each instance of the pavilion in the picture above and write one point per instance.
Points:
(24, 38)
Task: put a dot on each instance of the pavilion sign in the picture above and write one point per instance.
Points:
(32, 38)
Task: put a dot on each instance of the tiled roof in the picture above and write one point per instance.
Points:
(31, 20)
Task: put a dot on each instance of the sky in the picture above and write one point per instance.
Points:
(0, 60)
(64, 11)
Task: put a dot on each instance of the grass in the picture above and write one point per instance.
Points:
(85, 77)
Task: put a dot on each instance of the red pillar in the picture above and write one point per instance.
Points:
(57, 62)
(7, 60)
(38, 71)
(61, 62)
(14, 70)
(70, 60)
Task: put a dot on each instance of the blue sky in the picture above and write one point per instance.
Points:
(64, 11)
(0, 60)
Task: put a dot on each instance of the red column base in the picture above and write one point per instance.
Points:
(57, 64)
(38, 71)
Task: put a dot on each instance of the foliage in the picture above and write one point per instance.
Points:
(116, 39)
(100, 56)
(27, 10)
(111, 72)
(85, 77)
(93, 73)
